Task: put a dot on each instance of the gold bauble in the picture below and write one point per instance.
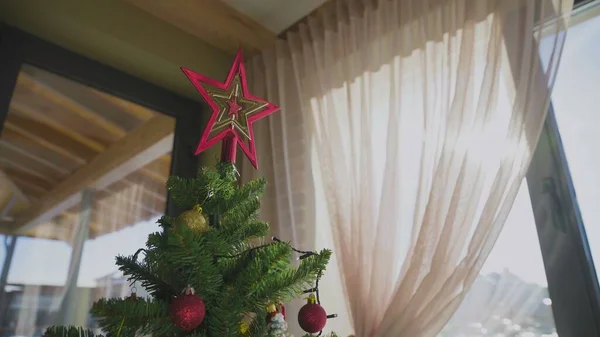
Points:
(194, 220)
(244, 329)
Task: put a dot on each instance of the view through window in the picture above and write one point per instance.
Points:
(510, 298)
(576, 103)
(65, 261)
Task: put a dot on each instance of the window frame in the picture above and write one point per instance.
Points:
(18, 47)
(572, 279)
(580, 3)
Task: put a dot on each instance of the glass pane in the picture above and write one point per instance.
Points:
(55, 132)
(576, 102)
(510, 297)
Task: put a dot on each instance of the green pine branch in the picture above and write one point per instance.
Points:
(130, 317)
(252, 190)
(166, 221)
(226, 315)
(264, 265)
(258, 325)
(195, 264)
(147, 274)
(231, 265)
(186, 192)
(242, 234)
(240, 212)
(291, 282)
(157, 240)
(227, 171)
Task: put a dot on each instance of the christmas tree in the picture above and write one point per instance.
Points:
(209, 272)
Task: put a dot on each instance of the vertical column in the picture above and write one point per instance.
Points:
(10, 243)
(69, 308)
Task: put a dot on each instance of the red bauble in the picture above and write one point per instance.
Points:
(187, 311)
(282, 309)
(312, 317)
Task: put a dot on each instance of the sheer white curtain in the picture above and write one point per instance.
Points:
(423, 116)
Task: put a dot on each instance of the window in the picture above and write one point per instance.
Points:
(54, 135)
(510, 296)
(539, 279)
(576, 102)
(83, 166)
(529, 298)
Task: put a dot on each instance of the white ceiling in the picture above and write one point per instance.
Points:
(275, 15)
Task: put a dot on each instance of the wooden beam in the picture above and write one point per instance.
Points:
(31, 190)
(32, 148)
(212, 21)
(4, 224)
(90, 104)
(132, 152)
(44, 118)
(61, 144)
(68, 102)
(82, 101)
(6, 193)
(15, 172)
(15, 154)
(10, 189)
(46, 132)
(103, 111)
(135, 110)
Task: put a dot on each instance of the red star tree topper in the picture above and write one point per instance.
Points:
(234, 110)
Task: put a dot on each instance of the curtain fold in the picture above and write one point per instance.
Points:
(414, 122)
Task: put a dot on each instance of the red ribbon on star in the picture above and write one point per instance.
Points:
(234, 110)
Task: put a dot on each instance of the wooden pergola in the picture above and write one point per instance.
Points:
(61, 138)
